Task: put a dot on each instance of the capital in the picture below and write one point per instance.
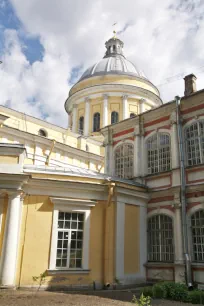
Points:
(105, 96)
(87, 100)
(142, 101)
(125, 96)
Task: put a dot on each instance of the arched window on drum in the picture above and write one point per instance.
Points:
(96, 122)
(114, 117)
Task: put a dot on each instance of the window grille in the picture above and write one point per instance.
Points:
(158, 153)
(114, 117)
(70, 240)
(197, 228)
(96, 122)
(160, 239)
(195, 143)
(124, 161)
(81, 125)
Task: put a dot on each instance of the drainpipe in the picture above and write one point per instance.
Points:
(183, 195)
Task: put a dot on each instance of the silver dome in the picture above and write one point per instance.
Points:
(114, 62)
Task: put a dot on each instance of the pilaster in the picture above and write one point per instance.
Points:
(174, 142)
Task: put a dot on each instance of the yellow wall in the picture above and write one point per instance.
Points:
(35, 242)
(132, 234)
(8, 159)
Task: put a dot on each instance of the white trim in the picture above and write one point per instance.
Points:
(192, 210)
(70, 205)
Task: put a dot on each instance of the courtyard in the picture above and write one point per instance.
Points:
(100, 298)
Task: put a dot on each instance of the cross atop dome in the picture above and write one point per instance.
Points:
(114, 46)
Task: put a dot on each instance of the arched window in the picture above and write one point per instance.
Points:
(132, 115)
(114, 48)
(197, 228)
(114, 117)
(158, 153)
(124, 161)
(81, 125)
(160, 238)
(96, 122)
(194, 136)
(42, 132)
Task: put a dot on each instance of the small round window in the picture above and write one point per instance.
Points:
(42, 133)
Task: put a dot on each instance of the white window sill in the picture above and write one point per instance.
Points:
(68, 271)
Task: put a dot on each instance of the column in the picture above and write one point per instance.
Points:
(174, 146)
(137, 159)
(141, 106)
(74, 124)
(87, 117)
(105, 110)
(125, 107)
(11, 240)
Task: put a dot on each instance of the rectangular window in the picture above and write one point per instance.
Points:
(70, 240)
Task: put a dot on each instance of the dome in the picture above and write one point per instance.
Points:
(114, 62)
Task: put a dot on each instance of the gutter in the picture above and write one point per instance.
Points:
(183, 195)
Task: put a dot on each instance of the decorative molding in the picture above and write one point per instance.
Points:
(73, 202)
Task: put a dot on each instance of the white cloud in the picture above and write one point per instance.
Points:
(163, 39)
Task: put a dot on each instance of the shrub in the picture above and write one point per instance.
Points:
(176, 291)
(196, 297)
(147, 291)
(159, 291)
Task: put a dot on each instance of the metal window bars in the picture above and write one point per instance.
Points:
(160, 239)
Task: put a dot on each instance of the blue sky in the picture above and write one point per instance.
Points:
(46, 45)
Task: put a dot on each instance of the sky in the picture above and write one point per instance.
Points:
(45, 46)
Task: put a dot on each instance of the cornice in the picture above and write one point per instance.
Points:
(46, 142)
(112, 90)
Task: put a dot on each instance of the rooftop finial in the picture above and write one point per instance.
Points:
(114, 31)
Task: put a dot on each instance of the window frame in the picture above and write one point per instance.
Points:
(201, 154)
(117, 116)
(128, 143)
(81, 121)
(193, 213)
(94, 118)
(158, 148)
(160, 237)
(76, 206)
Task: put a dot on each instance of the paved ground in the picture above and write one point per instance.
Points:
(44, 298)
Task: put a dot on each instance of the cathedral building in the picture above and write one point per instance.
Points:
(117, 197)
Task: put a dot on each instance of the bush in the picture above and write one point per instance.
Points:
(147, 291)
(196, 297)
(176, 291)
(159, 291)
